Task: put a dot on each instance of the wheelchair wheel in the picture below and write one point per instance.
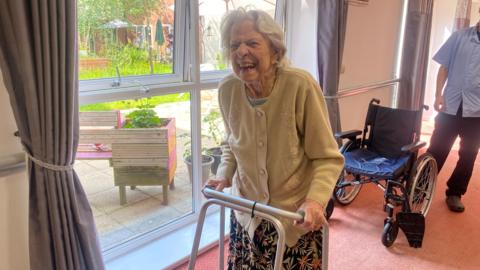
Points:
(346, 194)
(329, 209)
(422, 184)
(390, 232)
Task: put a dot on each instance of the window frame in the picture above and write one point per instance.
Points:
(101, 90)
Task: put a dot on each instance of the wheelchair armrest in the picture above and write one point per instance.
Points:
(349, 134)
(413, 146)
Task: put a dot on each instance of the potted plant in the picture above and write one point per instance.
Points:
(214, 124)
(144, 117)
(207, 161)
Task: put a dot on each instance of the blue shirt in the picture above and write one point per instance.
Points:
(461, 56)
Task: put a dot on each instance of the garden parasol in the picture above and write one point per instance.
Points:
(116, 23)
(159, 37)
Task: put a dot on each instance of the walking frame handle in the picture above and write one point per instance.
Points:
(256, 209)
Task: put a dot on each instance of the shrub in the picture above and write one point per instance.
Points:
(213, 121)
(144, 117)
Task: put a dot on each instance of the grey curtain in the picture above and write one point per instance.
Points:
(331, 27)
(38, 58)
(414, 63)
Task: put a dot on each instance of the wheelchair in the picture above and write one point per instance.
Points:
(386, 155)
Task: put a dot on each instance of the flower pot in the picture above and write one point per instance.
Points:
(216, 153)
(206, 164)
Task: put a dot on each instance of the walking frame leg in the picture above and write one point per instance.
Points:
(198, 232)
(201, 219)
(221, 244)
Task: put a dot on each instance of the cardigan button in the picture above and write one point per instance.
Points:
(259, 113)
(262, 171)
(260, 143)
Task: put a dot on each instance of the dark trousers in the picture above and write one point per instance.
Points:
(447, 128)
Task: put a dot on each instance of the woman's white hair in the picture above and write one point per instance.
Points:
(264, 24)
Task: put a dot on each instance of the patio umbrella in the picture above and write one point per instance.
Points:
(116, 23)
(159, 37)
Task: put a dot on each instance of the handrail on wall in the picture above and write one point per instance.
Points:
(362, 89)
(10, 169)
(17, 165)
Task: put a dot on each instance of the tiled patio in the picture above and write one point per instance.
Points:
(144, 210)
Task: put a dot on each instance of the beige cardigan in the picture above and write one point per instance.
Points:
(282, 151)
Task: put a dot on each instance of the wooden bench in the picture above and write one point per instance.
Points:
(96, 120)
(139, 156)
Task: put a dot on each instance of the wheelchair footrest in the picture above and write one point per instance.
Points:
(413, 226)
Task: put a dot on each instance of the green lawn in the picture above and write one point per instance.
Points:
(136, 68)
(130, 104)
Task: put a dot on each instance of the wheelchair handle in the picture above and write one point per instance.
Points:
(209, 193)
(374, 100)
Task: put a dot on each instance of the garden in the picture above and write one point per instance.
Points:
(128, 37)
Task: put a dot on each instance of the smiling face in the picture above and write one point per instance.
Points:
(251, 55)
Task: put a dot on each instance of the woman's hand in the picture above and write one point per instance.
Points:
(314, 217)
(218, 184)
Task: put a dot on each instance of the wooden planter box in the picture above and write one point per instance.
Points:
(139, 156)
(145, 157)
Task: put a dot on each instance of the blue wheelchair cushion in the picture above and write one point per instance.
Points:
(365, 162)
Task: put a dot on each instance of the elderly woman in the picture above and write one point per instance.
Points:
(279, 149)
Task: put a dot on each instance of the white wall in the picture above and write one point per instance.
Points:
(13, 194)
(370, 53)
(371, 42)
(10, 147)
(13, 222)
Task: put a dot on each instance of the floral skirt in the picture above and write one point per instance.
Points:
(259, 253)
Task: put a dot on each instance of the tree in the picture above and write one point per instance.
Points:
(93, 14)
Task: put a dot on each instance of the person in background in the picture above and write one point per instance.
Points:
(279, 149)
(458, 109)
